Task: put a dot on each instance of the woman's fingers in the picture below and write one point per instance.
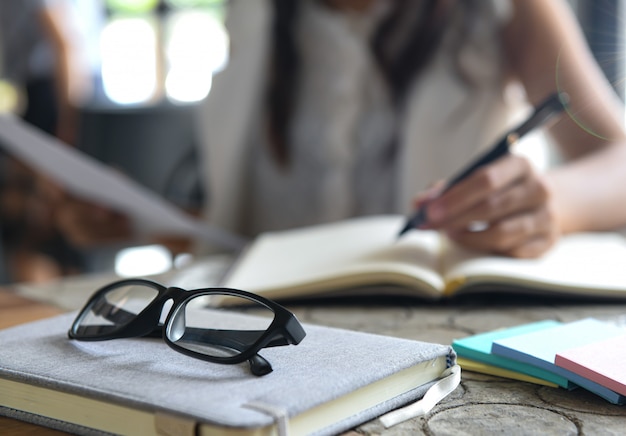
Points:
(503, 208)
(482, 187)
(86, 224)
(524, 195)
(524, 235)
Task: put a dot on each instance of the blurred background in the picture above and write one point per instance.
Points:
(148, 63)
(138, 68)
(153, 61)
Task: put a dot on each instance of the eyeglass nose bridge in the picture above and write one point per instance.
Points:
(159, 309)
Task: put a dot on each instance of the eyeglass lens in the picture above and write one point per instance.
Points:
(199, 325)
(116, 308)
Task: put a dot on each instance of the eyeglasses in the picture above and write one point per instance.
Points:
(212, 324)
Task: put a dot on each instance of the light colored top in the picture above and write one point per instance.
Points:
(339, 138)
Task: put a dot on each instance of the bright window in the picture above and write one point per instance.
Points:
(151, 50)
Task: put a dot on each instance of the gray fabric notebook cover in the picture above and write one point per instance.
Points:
(147, 374)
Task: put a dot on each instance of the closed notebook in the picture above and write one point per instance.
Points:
(540, 349)
(603, 362)
(478, 348)
(332, 381)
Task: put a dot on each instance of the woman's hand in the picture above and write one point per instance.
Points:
(504, 208)
(86, 224)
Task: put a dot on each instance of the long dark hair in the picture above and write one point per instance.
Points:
(400, 57)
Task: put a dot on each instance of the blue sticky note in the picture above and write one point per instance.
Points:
(478, 348)
(539, 349)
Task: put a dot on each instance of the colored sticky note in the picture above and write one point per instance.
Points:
(603, 362)
(485, 368)
(540, 348)
(478, 348)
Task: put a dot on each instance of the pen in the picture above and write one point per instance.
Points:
(550, 107)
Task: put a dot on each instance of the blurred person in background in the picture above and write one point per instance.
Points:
(331, 109)
(43, 73)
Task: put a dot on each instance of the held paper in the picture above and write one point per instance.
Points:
(87, 178)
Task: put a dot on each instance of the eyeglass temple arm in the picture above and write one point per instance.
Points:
(233, 339)
(222, 337)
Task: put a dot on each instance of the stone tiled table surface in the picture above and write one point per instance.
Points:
(481, 404)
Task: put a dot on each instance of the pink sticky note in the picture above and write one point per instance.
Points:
(603, 362)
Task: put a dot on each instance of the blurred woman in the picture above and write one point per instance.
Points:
(330, 109)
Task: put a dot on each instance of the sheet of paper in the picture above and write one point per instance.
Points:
(88, 178)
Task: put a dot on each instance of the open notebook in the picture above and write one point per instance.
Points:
(330, 382)
(360, 254)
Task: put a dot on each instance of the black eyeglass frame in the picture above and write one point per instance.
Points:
(285, 329)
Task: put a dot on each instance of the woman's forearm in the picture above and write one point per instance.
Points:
(589, 193)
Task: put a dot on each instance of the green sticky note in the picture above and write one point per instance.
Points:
(478, 348)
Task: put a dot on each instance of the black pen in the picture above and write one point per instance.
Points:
(550, 107)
